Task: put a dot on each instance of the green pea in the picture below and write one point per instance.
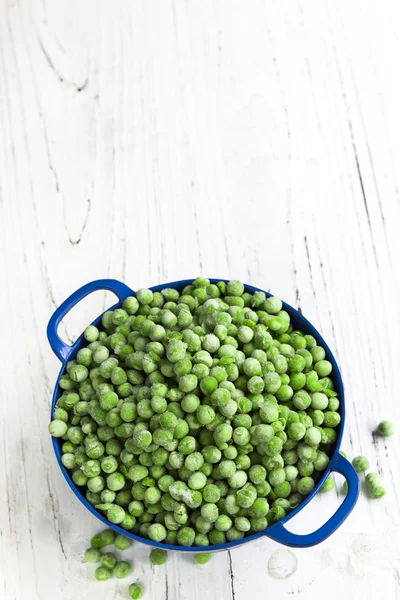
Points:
(135, 591)
(158, 557)
(386, 428)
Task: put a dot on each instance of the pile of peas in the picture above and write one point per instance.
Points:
(197, 417)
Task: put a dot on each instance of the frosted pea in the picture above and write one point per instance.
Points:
(245, 334)
(334, 403)
(360, 463)
(102, 574)
(209, 512)
(376, 492)
(100, 354)
(291, 472)
(252, 367)
(272, 305)
(58, 428)
(296, 363)
(255, 385)
(328, 485)
(223, 433)
(119, 316)
(211, 343)
(92, 555)
(269, 412)
(157, 532)
(246, 496)
(115, 514)
(234, 288)
(91, 333)
(321, 461)
(302, 400)
(157, 333)
(130, 305)
(238, 479)
(323, 368)
(223, 523)
(319, 401)
(386, 428)
(296, 431)
(186, 536)
(312, 437)
(202, 558)
(317, 417)
(306, 469)
(122, 542)
(197, 480)
(241, 436)
(277, 476)
(203, 357)
(188, 383)
(78, 373)
(115, 482)
(176, 350)
(242, 524)
(373, 479)
(306, 453)
(287, 350)
(135, 590)
(194, 461)
(331, 419)
(123, 569)
(144, 296)
(272, 382)
(108, 560)
(158, 557)
(305, 485)
(205, 414)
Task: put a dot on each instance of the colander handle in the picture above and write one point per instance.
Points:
(279, 533)
(60, 348)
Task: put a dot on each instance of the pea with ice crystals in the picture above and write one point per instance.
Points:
(196, 417)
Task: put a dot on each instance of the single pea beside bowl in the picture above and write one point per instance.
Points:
(198, 415)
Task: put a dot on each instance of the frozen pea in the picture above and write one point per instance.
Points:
(135, 591)
(202, 558)
(386, 428)
(328, 484)
(360, 463)
(92, 555)
(102, 574)
(122, 569)
(122, 542)
(158, 557)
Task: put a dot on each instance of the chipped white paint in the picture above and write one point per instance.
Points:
(152, 141)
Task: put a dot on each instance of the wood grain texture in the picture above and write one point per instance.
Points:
(153, 141)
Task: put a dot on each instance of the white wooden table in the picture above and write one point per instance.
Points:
(152, 141)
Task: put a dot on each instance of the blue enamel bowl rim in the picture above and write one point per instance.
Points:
(301, 323)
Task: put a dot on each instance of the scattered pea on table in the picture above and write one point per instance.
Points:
(158, 557)
(202, 558)
(135, 591)
(102, 574)
(374, 485)
(386, 428)
(328, 484)
(122, 542)
(360, 463)
(122, 569)
(92, 555)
